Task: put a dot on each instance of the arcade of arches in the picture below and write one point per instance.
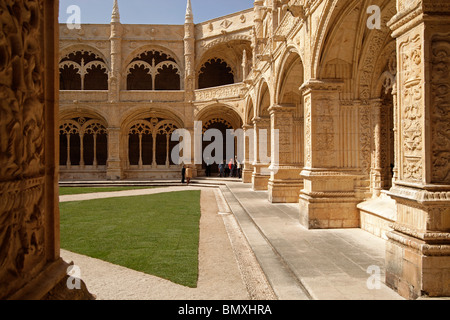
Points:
(354, 119)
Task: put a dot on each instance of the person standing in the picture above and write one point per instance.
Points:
(230, 167)
(221, 169)
(238, 168)
(188, 175)
(208, 167)
(183, 173)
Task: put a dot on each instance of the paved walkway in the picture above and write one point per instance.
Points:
(307, 264)
(299, 264)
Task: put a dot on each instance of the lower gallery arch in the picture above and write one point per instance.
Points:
(216, 147)
(148, 148)
(83, 148)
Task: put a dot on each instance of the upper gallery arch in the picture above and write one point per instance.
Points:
(223, 64)
(153, 69)
(83, 69)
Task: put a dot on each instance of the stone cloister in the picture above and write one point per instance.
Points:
(357, 117)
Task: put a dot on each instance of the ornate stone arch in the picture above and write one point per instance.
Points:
(229, 49)
(220, 111)
(264, 96)
(94, 126)
(214, 72)
(374, 55)
(153, 69)
(249, 111)
(83, 75)
(328, 13)
(144, 113)
(69, 127)
(288, 61)
(66, 51)
(156, 133)
(140, 127)
(138, 52)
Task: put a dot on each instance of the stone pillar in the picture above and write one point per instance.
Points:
(189, 54)
(247, 169)
(116, 55)
(418, 250)
(375, 171)
(285, 182)
(30, 264)
(114, 164)
(328, 199)
(261, 173)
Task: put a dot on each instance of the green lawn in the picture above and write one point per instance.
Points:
(156, 234)
(63, 191)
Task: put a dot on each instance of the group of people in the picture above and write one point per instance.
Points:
(230, 169)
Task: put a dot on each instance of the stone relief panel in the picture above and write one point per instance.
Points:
(365, 137)
(412, 107)
(440, 109)
(308, 133)
(224, 92)
(325, 132)
(22, 232)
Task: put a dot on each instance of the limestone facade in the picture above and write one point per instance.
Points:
(356, 116)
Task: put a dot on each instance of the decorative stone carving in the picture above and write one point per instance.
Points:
(440, 108)
(308, 133)
(412, 107)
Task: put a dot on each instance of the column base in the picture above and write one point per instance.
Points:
(284, 192)
(114, 171)
(285, 185)
(329, 200)
(247, 176)
(418, 248)
(328, 213)
(51, 284)
(260, 182)
(415, 267)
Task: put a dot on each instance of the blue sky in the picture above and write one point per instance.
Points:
(152, 11)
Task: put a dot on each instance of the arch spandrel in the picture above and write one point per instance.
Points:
(155, 113)
(148, 48)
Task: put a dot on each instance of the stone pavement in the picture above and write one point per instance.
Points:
(308, 264)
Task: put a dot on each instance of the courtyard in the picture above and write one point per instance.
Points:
(249, 249)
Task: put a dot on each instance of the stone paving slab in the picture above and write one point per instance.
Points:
(329, 264)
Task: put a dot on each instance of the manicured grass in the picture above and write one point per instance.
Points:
(64, 191)
(156, 234)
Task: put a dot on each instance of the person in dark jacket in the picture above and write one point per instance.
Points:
(221, 169)
(183, 173)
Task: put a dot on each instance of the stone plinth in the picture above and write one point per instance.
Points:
(328, 201)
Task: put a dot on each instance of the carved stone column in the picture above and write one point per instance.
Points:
(418, 250)
(114, 165)
(30, 262)
(189, 54)
(261, 173)
(285, 182)
(116, 55)
(328, 199)
(247, 170)
(375, 171)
